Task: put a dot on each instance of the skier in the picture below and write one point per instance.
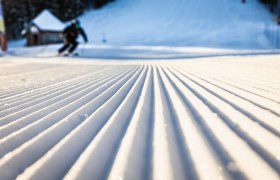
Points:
(71, 34)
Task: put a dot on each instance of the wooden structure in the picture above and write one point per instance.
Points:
(3, 42)
(3, 37)
(44, 29)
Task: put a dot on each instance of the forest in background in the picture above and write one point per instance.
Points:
(19, 13)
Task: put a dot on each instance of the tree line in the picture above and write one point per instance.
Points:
(19, 13)
(272, 4)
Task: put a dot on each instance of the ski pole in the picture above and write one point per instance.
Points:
(102, 29)
(41, 50)
(83, 48)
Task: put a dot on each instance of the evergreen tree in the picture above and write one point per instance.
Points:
(19, 13)
(70, 9)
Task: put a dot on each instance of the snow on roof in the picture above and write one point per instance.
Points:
(34, 29)
(48, 21)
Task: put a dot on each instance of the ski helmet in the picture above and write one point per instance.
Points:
(77, 23)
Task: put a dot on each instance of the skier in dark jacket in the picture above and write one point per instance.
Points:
(71, 34)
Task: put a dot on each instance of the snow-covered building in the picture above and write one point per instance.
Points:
(46, 28)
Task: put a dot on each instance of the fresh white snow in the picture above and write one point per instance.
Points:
(181, 90)
(212, 23)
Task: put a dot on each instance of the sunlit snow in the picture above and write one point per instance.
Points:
(180, 90)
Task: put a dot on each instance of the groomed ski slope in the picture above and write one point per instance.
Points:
(213, 118)
(202, 23)
(181, 90)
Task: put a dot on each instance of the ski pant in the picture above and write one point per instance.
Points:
(71, 46)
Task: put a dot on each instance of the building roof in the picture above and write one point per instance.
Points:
(46, 21)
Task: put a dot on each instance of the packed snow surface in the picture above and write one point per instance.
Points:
(206, 23)
(181, 90)
(213, 118)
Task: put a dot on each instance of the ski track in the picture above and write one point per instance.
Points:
(140, 120)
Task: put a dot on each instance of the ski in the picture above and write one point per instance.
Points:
(70, 54)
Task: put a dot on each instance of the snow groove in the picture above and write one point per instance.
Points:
(47, 138)
(55, 114)
(43, 99)
(261, 103)
(236, 127)
(191, 100)
(140, 120)
(26, 120)
(273, 122)
(112, 132)
(251, 90)
(221, 78)
(25, 92)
